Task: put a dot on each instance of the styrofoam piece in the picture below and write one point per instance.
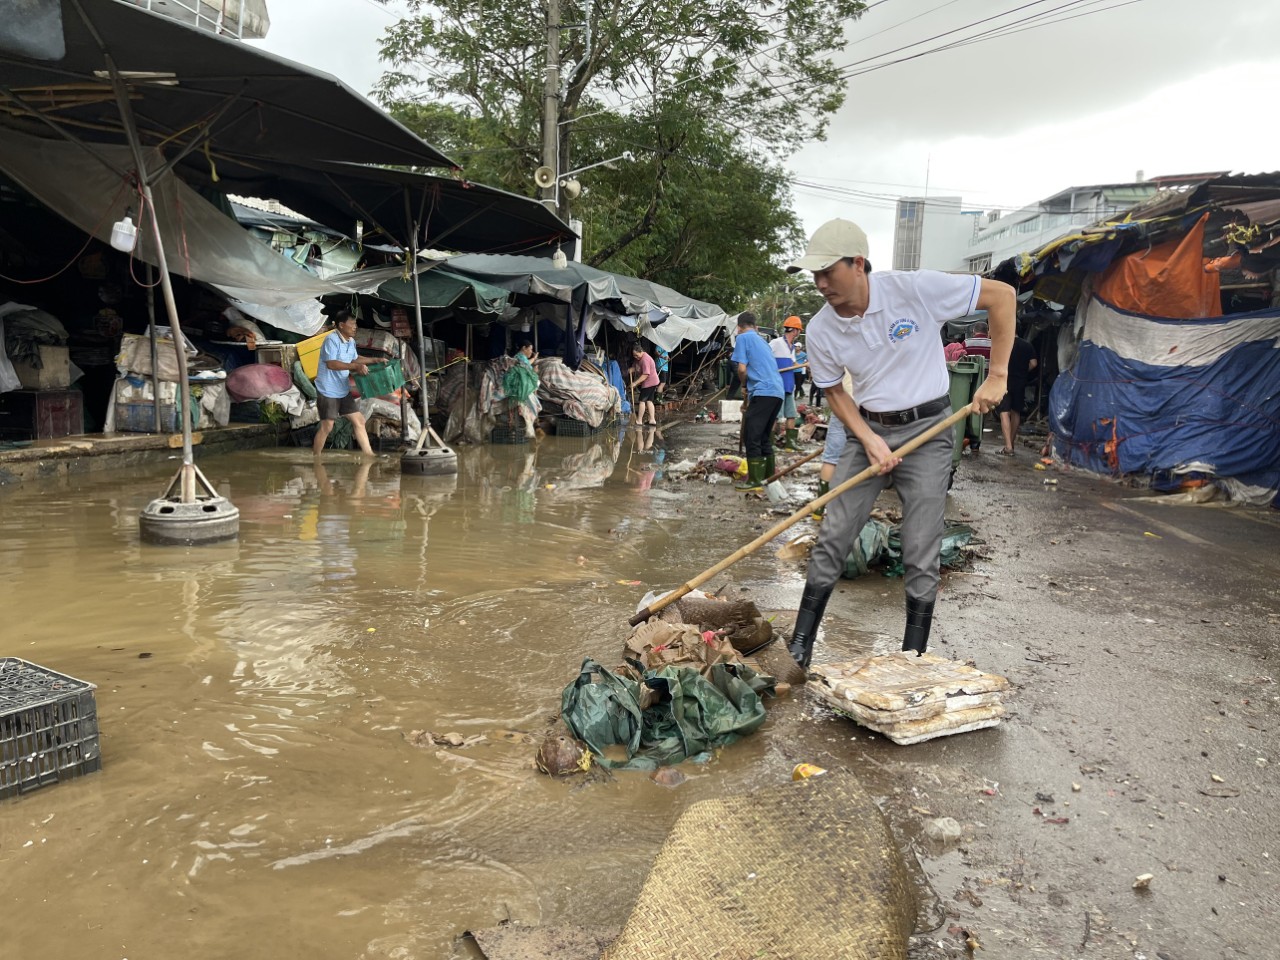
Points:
(730, 411)
(910, 699)
(653, 597)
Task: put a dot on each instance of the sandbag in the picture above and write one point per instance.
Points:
(738, 621)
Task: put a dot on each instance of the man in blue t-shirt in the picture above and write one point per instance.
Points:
(758, 372)
(338, 360)
(662, 360)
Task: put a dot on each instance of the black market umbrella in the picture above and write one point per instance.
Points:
(185, 86)
(451, 214)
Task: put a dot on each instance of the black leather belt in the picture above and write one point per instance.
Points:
(896, 418)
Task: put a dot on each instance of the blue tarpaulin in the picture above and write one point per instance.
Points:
(614, 374)
(1174, 398)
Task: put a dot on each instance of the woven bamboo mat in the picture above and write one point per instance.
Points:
(803, 870)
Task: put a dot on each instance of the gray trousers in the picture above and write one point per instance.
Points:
(921, 481)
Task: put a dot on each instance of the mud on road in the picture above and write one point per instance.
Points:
(1141, 641)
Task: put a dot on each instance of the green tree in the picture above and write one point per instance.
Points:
(700, 93)
(793, 294)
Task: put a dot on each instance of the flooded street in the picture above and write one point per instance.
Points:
(269, 785)
(255, 701)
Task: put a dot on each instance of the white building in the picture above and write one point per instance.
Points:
(242, 19)
(1002, 236)
(929, 230)
(937, 234)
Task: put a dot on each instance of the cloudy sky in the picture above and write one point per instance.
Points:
(1162, 86)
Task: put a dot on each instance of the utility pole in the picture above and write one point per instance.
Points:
(551, 106)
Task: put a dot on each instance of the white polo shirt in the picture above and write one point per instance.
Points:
(894, 351)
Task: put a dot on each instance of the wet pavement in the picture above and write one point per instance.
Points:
(270, 782)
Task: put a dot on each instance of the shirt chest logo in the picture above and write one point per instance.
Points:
(900, 329)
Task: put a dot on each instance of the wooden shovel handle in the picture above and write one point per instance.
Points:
(791, 466)
(796, 517)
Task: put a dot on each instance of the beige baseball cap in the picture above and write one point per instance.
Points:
(831, 242)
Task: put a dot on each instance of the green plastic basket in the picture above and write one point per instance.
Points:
(380, 380)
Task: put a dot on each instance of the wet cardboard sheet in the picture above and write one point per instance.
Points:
(910, 699)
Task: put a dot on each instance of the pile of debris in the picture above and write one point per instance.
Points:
(693, 679)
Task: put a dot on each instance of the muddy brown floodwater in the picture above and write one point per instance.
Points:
(271, 786)
(261, 790)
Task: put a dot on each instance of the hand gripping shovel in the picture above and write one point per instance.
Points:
(796, 517)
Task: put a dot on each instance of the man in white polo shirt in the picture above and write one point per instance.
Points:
(884, 329)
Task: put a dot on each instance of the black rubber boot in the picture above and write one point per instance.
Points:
(919, 620)
(813, 604)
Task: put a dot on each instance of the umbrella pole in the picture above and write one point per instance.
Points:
(440, 460)
(404, 398)
(189, 517)
(422, 341)
(188, 473)
(155, 359)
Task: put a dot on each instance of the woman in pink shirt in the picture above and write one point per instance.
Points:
(645, 377)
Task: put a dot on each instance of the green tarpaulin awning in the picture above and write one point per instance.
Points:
(443, 289)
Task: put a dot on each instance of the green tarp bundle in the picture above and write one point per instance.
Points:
(880, 544)
(687, 714)
(519, 383)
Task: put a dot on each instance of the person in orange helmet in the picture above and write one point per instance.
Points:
(784, 352)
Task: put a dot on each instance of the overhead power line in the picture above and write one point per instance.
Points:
(1043, 18)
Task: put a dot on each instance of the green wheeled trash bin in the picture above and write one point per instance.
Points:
(966, 376)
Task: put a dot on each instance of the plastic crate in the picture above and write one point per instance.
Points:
(48, 727)
(380, 380)
(141, 418)
(505, 435)
(304, 436)
(309, 353)
(570, 427)
(246, 411)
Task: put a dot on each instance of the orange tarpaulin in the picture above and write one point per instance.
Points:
(1168, 280)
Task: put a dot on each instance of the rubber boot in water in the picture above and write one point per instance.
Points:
(813, 604)
(919, 620)
(755, 476)
(823, 489)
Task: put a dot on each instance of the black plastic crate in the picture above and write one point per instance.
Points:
(508, 435)
(570, 427)
(246, 411)
(303, 436)
(48, 727)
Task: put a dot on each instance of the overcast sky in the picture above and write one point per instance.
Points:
(1162, 86)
